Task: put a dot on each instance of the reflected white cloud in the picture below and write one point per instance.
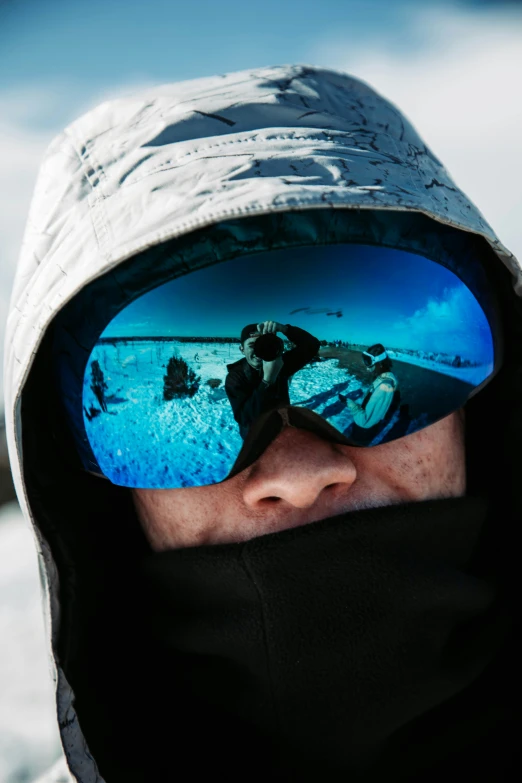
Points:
(453, 313)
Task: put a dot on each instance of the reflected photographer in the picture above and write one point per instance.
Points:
(259, 382)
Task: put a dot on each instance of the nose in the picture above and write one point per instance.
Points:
(298, 470)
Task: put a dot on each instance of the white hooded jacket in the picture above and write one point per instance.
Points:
(138, 171)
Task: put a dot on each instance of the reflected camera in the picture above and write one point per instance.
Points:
(268, 347)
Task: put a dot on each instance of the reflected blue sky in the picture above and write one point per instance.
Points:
(360, 294)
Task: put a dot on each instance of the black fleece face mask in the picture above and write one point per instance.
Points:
(311, 648)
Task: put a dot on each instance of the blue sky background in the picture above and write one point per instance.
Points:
(85, 48)
(105, 40)
(90, 43)
(454, 69)
(387, 296)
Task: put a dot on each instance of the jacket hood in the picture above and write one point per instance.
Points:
(137, 172)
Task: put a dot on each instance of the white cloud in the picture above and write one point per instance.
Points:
(460, 87)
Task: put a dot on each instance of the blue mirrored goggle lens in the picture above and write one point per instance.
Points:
(378, 342)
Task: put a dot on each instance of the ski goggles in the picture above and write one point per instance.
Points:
(376, 342)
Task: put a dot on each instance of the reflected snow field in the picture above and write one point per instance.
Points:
(192, 441)
(192, 428)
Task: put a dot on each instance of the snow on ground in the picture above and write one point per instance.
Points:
(185, 430)
(29, 739)
(192, 428)
(170, 441)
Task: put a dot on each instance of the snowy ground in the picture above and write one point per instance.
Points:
(194, 427)
(29, 739)
(179, 435)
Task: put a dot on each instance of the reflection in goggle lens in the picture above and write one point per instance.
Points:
(378, 342)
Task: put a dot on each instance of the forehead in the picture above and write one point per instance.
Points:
(251, 340)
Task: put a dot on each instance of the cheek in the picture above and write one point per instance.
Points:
(427, 464)
(434, 459)
(177, 518)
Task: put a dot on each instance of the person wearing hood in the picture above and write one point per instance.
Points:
(297, 605)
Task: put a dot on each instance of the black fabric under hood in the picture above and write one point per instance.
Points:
(383, 644)
(315, 648)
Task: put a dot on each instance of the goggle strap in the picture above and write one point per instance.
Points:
(376, 359)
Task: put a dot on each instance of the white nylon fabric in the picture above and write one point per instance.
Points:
(137, 171)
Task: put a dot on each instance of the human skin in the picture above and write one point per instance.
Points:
(302, 478)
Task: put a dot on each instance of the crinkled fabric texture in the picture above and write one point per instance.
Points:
(133, 175)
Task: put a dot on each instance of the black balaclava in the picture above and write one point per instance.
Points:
(370, 646)
(315, 648)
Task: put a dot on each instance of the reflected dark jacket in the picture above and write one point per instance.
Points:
(249, 396)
